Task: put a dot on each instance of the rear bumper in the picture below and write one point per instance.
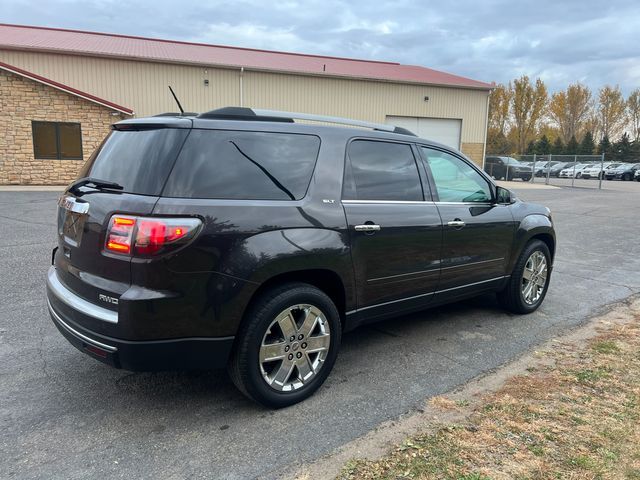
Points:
(149, 355)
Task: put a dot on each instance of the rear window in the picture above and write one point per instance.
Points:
(138, 160)
(244, 165)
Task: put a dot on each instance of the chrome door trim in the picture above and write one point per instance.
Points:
(351, 312)
(473, 263)
(392, 202)
(72, 300)
(77, 334)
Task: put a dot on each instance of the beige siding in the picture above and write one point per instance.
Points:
(142, 86)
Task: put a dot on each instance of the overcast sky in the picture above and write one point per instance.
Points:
(595, 42)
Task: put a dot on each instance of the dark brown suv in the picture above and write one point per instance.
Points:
(240, 238)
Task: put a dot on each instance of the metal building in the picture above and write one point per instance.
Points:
(61, 88)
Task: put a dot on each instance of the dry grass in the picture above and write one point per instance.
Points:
(575, 417)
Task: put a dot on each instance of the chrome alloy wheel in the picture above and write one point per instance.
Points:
(294, 347)
(534, 277)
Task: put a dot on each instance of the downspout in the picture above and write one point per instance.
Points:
(486, 130)
(241, 92)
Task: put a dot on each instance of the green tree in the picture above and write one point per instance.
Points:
(587, 146)
(543, 146)
(572, 146)
(622, 149)
(531, 148)
(605, 147)
(558, 147)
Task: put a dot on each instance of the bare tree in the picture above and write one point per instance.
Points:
(611, 112)
(633, 110)
(570, 110)
(528, 106)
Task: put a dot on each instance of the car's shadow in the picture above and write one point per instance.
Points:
(367, 346)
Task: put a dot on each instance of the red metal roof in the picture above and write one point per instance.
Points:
(77, 42)
(65, 88)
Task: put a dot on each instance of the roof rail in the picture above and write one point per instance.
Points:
(176, 114)
(261, 115)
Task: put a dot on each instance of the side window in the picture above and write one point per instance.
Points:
(455, 180)
(244, 165)
(381, 171)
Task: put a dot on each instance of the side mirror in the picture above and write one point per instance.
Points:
(504, 196)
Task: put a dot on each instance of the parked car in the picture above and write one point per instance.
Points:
(598, 170)
(556, 169)
(543, 168)
(507, 168)
(637, 175)
(240, 238)
(574, 171)
(625, 171)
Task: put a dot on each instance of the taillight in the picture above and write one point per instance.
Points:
(148, 236)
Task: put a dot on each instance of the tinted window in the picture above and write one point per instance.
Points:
(381, 171)
(456, 181)
(55, 140)
(244, 165)
(138, 160)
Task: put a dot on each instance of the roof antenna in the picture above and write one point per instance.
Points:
(177, 101)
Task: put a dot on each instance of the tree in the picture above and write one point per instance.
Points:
(572, 146)
(498, 144)
(499, 101)
(587, 146)
(570, 110)
(611, 111)
(622, 149)
(633, 111)
(527, 106)
(543, 146)
(604, 146)
(558, 147)
(531, 148)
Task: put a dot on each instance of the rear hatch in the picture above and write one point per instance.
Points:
(136, 158)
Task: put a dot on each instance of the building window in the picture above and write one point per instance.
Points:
(57, 141)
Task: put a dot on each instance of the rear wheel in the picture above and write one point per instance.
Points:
(626, 176)
(529, 280)
(287, 345)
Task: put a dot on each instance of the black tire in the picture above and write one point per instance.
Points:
(626, 177)
(511, 297)
(244, 366)
(526, 179)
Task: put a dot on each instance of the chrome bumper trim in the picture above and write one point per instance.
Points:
(77, 334)
(65, 295)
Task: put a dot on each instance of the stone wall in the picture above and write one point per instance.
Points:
(474, 151)
(23, 100)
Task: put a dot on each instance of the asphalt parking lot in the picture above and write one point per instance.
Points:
(63, 415)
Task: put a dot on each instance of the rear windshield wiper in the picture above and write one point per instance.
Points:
(94, 183)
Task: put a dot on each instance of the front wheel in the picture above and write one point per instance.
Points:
(287, 345)
(529, 280)
(626, 177)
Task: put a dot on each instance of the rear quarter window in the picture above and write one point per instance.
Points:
(140, 161)
(244, 165)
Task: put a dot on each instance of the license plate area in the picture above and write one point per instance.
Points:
(72, 215)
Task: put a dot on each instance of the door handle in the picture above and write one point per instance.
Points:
(369, 227)
(457, 223)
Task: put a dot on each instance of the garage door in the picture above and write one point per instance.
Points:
(443, 130)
